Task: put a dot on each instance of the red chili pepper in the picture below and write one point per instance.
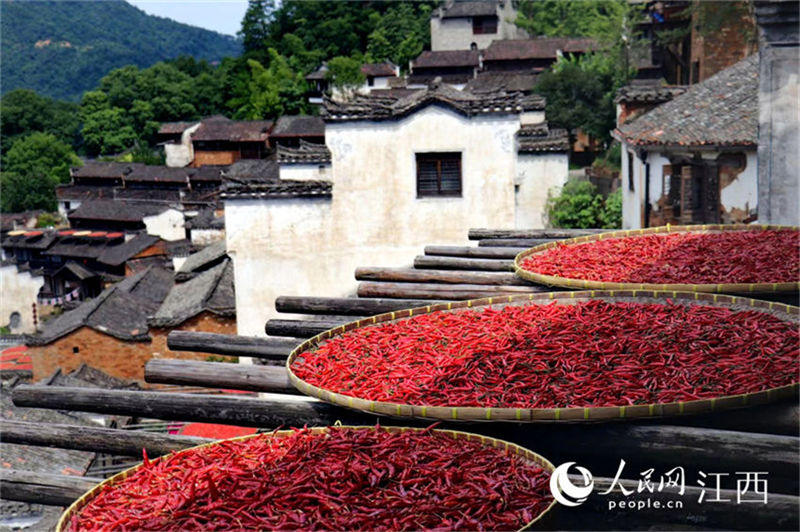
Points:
(589, 354)
(769, 256)
(345, 479)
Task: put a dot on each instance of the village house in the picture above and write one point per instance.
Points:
(454, 67)
(473, 25)
(215, 140)
(694, 159)
(532, 55)
(291, 130)
(377, 76)
(404, 172)
(127, 324)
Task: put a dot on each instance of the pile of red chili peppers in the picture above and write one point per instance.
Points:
(588, 354)
(347, 479)
(769, 256)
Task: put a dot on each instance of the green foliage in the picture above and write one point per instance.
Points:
(577, 205)
(611, 161)
(22, 112)
(61, 49)
(4, 330)
(255, 24)
(345, 75)
(272, 91)
(48, 219)
(222, 358)
(400, 34)
(599, 19)
(32, 168)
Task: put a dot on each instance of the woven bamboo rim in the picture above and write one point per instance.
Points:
(65, 519)
(720, 288)
(550, 415)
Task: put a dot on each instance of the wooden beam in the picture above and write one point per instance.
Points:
(223, 375)
(232, 345)
(302, 328)
(459, 263)
(226, 409)
(557, 233)
(349, 306)
(474, 252)
(513, 242)
(95, 439)
(438, 276)
(441, 291)
(44, 488)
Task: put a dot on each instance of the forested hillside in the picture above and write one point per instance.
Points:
(61, 49)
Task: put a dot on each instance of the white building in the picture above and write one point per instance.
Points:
(417, 170)
(473, 25)
(693, 159)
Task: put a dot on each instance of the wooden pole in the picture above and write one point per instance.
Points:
(226, 409)
(441, 291)
(232, 345)
(438, 276)
(219, 375)
(480, 234)
(458, 263)
(44, 488)
(514, 242)
(95, 439)
(474, 252)
(349, 306)
(302, 328)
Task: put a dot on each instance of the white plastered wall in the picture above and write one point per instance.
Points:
(537, 174)
(168, 225)
(18, 292)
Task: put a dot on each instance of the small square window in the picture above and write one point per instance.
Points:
(438, 174)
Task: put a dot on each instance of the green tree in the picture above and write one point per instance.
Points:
(272, 91)
(255, 30)
(32, 168)
(23, 112)
(600, 19)
(578, 205)
(345, 75)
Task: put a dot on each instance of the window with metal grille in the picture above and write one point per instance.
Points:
(438, 174)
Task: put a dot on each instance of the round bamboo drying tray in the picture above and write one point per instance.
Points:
(575, 415)
(526, 454)
(720, 288)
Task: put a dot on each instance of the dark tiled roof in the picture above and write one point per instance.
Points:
(382, 108)
(79, 271)
(83, 248)
(200, 197)
(447, 58)
(31, 240)
(471, 9)
(147, 194)
(307, 152)
(121, 211)
(89, 377)
(539, 138)
(206, 219)
(120, 311)
(458, 78)
(281, 190)
(501, 81)
(174, 128)
(260, 170)
(299, 126)
(187, 300)
(233, 131)
(650, 93)
(121, 253)
(204, 259)
(395, 92)
(104, 169)
(378, 69)
(9, 220)
(83, 192)
(720, 111)
(319, 74)
(538, 48)
(158, 174)
(211, 173)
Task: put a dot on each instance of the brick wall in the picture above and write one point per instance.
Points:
(125, 360)
(729, 44)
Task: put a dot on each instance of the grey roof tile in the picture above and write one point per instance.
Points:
(187, 300)
(720, 111)
(307, 152)
(299, 126)
(284, 189)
